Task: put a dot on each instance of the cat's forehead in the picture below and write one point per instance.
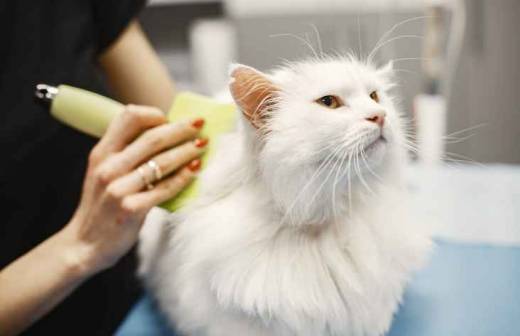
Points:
(333, 74)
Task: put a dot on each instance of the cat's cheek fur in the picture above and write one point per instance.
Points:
(298, 155)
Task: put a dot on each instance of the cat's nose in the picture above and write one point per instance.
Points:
(377, 118)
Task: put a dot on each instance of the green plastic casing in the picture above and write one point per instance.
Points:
(91, 113)
(219, 118)
(83, 110)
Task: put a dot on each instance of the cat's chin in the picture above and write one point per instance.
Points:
(376, 150)
(378, 145)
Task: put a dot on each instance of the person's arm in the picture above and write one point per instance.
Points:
(106, 224)
(37, 281)
(134, 71)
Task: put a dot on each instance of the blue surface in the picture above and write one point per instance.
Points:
(144, 319)
(466, 290)
(471, 290)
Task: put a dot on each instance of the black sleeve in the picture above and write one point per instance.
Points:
(111, 17)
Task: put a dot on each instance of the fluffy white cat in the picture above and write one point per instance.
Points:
(302, 225)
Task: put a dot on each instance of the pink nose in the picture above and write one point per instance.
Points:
(377, 118)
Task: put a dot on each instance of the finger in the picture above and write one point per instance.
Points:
(167, 162)
(126, 127)
(163, 191)
(177, 157)
(149, 143)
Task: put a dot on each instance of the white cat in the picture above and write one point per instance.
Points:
(302, 225)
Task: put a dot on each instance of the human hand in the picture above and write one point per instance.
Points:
(115, 198)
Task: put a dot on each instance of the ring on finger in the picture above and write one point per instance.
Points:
(156, 169)
(147, 180)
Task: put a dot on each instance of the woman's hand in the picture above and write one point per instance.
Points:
(115, 196)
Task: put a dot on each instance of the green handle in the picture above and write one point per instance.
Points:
(83, 110)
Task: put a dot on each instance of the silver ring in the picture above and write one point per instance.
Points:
(147, 182)
(156, 170)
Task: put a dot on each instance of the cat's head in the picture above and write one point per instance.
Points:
(323, 129)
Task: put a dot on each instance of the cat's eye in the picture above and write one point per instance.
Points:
(374, 96)
(329, 101)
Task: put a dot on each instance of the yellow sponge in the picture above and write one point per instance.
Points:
(219, 118)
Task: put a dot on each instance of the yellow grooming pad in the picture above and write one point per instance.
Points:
(219, 118)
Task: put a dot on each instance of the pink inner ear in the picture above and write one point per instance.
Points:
(252, 92)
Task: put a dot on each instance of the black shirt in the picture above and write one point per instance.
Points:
(43, 162)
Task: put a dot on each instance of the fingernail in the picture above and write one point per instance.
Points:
(198, 123)
(201, 142)
(194, 165)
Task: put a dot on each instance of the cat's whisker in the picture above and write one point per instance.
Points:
(471, 128)
(459, 140)
(395, 60)
(412, 149)
(318, 38)
(409, 145)
(354, 165)
(319, 189)
(323, 166)
(407, 71)
(446, 156)
(359, 37)
(363, 157)
(452, 161)
(299, 38)
(309, 182)
(394, 27)
(348, 168)
(400, 37)
(331, 143)
(461, 159)
(346, 173)
(406, 140)
(336, 181)
(349, 183)
(360, 173)
(324, 180)
(336, 168)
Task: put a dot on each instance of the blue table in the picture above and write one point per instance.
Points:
(466, 290)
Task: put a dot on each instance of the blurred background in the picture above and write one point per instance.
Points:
(462, 54)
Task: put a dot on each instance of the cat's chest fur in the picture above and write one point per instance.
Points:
(342, 278)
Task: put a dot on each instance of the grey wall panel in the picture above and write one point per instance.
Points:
(486, 89)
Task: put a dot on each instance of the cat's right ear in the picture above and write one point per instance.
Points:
(253, 92)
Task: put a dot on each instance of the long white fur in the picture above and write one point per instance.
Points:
(296, 232)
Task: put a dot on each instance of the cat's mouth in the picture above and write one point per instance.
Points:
(378, 142)
(368, 149)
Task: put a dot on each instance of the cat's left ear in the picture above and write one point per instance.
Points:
(253, 92)
(387, 71)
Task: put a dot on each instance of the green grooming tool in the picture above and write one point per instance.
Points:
(91, 113)
(219, 118)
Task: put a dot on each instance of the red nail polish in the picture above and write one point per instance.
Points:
(201, 142)
(194, 165)
(198, 123)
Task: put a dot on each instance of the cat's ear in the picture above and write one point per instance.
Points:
(387, 71)
(253, 92)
